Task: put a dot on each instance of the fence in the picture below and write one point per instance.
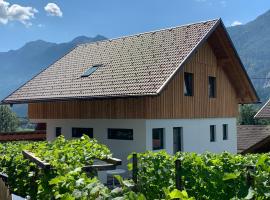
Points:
(21, 136)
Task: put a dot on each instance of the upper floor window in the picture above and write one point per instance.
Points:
(158, 138)
(225, 131)
(212, 87)
(212, 133)
(188, 84)
(79, 132)
(120, 134)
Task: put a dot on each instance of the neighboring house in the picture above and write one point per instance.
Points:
(264, 112)
(253, 138)
(176, 89)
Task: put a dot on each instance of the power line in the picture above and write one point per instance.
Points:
(260, 78)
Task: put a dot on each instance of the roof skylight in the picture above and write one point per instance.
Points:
(90, 70)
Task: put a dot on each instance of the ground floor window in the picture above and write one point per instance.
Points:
(120, 134)
(58, 131)
(177, 139)
(212, 133)
(225, 131)
(79, 132)
(158, 138)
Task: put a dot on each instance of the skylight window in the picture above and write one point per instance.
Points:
(90, 70)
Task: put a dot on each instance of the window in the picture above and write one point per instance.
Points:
(177, 139)
(225, 131)
(79, 132)
(58, 131)
(212, 86)
(120, 134)
(188, 84)
(90, 70)
(212, 133)
(158, 138)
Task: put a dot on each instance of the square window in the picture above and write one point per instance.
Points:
(79, 132)
(120, 134)
(188, 84)
(225, 131)
(212, 133)
(158, 138)
(58, 131)
(212, 87)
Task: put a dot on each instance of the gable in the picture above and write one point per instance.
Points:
(172, 103)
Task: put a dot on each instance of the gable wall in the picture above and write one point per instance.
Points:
(171, 103)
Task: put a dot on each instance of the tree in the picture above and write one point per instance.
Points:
(8, 119)
(247, 113)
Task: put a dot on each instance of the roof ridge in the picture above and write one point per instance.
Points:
(148, 32)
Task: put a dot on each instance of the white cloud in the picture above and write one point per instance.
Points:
(40, 25)
(53, 10)
(236, 23)
(16, 12)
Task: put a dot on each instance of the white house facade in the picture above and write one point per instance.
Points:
(194, 134)
(176, 89)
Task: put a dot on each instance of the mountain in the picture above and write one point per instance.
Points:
(252, 41)
(18, 66)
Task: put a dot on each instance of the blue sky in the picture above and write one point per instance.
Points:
(66, 19)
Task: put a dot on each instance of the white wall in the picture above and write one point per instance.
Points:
(120, 148)
(196, 134)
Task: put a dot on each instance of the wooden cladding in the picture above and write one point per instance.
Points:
(171, 103)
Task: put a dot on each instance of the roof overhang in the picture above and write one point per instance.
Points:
(230, 61)
(26, 101)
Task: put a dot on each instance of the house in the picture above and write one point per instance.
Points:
(253, 138)
(176, 89)
(264, 112)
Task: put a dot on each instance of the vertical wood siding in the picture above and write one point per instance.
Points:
(171, 103)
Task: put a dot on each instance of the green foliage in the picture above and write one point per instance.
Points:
(246, 117)
(205, 176)
(66, 181)
(8, 119)
(176, 194)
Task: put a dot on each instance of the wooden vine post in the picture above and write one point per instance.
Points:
(135, 170)
(4, 191)
(178, 177)
(250, 178)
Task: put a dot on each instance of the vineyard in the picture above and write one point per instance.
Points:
(66, 180)
(201, 176)
(206, 176)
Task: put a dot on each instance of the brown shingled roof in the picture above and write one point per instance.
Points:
(250, 136)
(135, 65)
(264, 112)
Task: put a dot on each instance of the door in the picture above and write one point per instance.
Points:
(177, 139)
